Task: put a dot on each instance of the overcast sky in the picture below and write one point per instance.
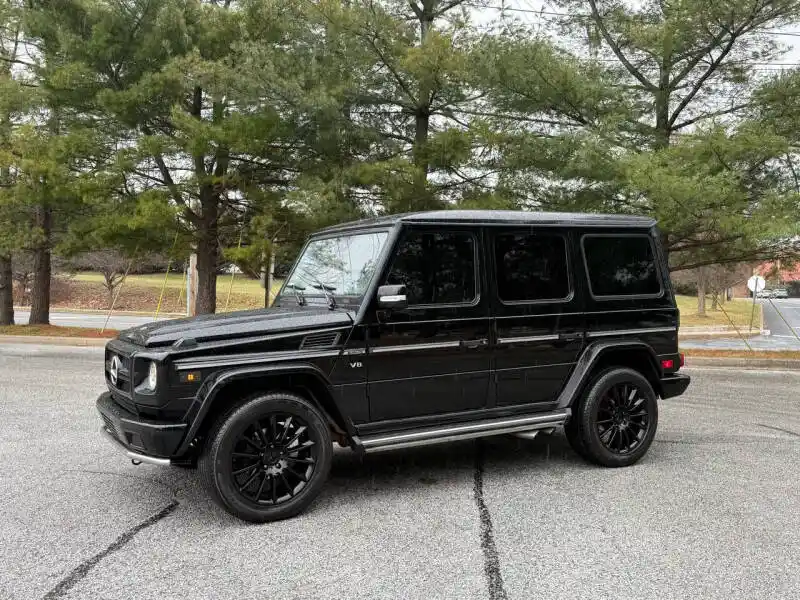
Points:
(525, 12)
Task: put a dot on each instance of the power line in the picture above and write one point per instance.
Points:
(565, 14)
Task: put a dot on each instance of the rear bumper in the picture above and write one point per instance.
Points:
(143, 438)
(674, 385)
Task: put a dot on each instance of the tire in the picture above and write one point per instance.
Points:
(268, 458)
(615, 422)
(185, 466)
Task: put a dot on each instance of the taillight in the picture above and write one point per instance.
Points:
(683, 360)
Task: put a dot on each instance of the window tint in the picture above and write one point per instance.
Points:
(531, 267)
(621, 266)
(436, 268)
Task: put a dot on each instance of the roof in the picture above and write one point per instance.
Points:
(782, 272)
(501, 216)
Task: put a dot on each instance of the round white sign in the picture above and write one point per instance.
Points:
(756, 283)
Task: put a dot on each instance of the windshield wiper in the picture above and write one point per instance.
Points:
(327, 289)
(298, 293)
(317, 284)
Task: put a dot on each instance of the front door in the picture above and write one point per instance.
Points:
(434, 356)
(539, 322)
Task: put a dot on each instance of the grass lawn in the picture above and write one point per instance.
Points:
(176, 281)
(140, 293)
(738, 310)
(55, 331)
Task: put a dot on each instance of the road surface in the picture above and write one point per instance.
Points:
(781, 330)
(91, 320)
(789, 309)
(711, 512)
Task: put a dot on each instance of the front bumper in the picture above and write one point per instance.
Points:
(144, 438)
(674, 385)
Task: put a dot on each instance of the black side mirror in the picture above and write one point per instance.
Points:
(392, 296)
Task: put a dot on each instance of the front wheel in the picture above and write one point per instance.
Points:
(268, 459)
(615, 422)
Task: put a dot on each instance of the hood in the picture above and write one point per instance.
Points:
(236, 325)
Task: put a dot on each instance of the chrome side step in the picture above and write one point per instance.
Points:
(464, 431)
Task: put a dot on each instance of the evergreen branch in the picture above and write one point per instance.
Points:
(450, 5)
(718, 113)
(712, 68)
(616, 48)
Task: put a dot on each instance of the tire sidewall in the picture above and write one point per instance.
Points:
(591, 438)
(224, 442)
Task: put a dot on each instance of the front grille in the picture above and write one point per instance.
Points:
(126, 403)
(122, 385)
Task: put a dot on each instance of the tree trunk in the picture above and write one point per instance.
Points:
(6, 291)
(422, 121)
(40, 292)
(662, 129)
(701, 292)
(714, 300)
(207, 257)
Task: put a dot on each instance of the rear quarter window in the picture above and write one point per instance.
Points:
(621, 266)
(531, 267)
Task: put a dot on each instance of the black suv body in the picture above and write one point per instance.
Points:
(407, 330)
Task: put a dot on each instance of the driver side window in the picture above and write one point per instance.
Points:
(435, 267)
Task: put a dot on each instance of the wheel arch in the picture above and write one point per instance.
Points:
(226, 389)
(599, 356)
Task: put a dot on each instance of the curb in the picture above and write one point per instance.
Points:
(780, 364)
(45, 340)
(694, 335)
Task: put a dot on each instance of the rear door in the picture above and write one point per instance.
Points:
(539, 327)
(434, 356)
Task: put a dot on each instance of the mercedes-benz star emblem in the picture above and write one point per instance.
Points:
(113, 371)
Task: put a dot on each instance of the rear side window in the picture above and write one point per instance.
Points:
(531, 267)
(621, 265)
(436, 268)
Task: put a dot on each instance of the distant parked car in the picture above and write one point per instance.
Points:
(764, 294)
(780, 293)
(230, 268)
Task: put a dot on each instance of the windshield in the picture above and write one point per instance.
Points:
(339, 266)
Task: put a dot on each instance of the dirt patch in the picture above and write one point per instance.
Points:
(55, 331)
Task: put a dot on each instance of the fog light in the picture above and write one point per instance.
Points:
(667, 364)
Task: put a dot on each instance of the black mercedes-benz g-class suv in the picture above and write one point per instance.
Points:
(408, 330)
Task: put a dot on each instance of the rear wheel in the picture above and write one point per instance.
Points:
(268, 459)
(616, 421)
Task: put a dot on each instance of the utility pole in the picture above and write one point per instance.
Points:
(191, 287)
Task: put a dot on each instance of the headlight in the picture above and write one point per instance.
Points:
(152, 377)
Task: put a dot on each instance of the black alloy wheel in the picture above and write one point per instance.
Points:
(273, 459)
(615, 421)
(623, 418)
(268, 457)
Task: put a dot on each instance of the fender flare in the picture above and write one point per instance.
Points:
(590, 357)
(208, 392)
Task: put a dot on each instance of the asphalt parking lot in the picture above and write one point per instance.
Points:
(712, 511)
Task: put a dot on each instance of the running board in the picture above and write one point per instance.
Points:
(463, 431)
